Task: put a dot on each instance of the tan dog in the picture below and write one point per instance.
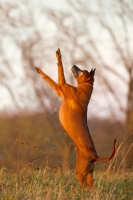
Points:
(73, 117)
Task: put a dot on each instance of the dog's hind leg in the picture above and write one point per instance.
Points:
(85, 179)
(84, 170)
(89, 180)
(80, 178)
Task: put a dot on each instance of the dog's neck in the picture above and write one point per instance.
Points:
(86, 88)
(85, 84)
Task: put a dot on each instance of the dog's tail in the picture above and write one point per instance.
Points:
(110, 157)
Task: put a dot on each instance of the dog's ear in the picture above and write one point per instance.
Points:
(92, 72)
(90, 78)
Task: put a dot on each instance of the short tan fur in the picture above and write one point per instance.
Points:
(73, 117)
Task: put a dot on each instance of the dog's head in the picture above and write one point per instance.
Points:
(83, 76)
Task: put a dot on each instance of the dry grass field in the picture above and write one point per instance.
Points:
(24, 177)
(44, 184)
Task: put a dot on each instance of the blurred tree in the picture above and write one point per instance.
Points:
(98, 34)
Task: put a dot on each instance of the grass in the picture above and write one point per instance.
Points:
(29, 184)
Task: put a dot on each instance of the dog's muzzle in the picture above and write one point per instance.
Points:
(76, 71)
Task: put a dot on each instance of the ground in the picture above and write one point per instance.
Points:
(40, 184)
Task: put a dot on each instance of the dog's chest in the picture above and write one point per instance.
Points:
(72, 120)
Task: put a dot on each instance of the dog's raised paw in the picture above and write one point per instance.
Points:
(38, 70)
(58, 53)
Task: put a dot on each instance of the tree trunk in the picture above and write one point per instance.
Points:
(128, 146)
(67, 154)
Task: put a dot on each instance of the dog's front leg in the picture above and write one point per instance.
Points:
(52, 83)
(61, 77)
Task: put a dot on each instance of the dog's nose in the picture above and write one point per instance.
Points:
(75, 67)
(76, 71)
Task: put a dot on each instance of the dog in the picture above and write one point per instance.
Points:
(73, 117)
